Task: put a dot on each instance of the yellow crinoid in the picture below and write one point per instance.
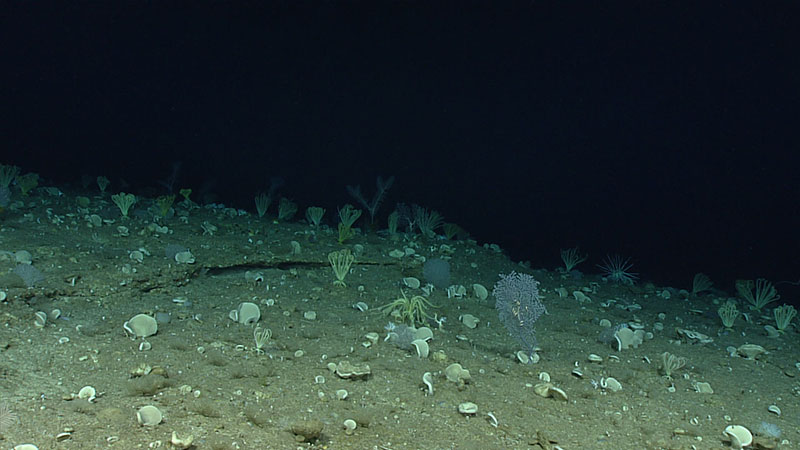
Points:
(411, 310)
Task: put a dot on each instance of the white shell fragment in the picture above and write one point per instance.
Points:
(422, 347)
(141, 326)
(544, 376)
(149, 416)
(246, 313)
(611, 384)
(626, 338)
(480, 291)
(546, 389)
(372, 337)
(411, 282)
(740, 436)
(349, 426)
(750, 351)
(469, 320)
(693, 336)
(87, 393)
(184, 257)
(136, 255)
(361, 306)
(456, 374)
(427, 380)
(63, 436)
(178, 442)
(468, 408)
(40, 319)
(702, 387)
(424, 333)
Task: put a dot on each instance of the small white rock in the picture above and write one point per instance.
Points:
(468, 408)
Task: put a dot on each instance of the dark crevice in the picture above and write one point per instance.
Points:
(284, 265)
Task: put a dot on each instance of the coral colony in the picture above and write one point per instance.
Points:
(519, 307)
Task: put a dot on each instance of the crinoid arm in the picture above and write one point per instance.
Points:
(400, 303)
(417, 309)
